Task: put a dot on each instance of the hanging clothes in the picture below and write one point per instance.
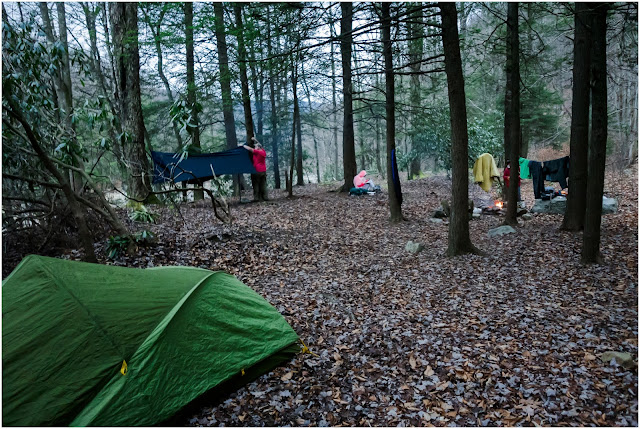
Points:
(535, 168)
(484, 170)
(557, 170)
(524, 168)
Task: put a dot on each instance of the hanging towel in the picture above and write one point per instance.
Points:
(484, 170)
(524, 168)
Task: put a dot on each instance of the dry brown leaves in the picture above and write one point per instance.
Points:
(508, 339)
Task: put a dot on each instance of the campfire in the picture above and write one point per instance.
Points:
(498, 204)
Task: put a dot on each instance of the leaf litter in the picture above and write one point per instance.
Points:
(507, 339)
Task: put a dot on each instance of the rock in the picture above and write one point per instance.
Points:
(477, 210)
(527, 216)
(412, 247)
(609, 205)
(500, 231)
(438, 214)
(623, 359)
(434, 220)
(521, 212)
(558, 205)
(476, 215)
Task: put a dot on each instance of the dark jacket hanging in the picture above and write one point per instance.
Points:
(535, 168)
(558, 170)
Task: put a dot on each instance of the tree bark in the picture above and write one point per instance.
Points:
(336, 170)
(274, 112)
(244, 85)
(244, 80)
(512, 106)
(296, 114)
(194, 128)
(390, 104)
(416, 33)
(225, 85)
(598, 143)
(459, 239)
(299, 165)
(577, 198)
(124, 31)
(348, 137)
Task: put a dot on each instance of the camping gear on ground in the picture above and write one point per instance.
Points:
(176, 168)
(484, 170)
(96, 345)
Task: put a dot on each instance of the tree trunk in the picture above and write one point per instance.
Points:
(598, 143)
(96, 65)
(244, 84)
(296, 114)
(274, 112)
(394, 200)
(416, 36)
(299, 165)
(124, 31)
(84, 234)
(577, 198)
(156, 31)
(512, 106)
(244, 80)
(192, 102)
(336, 170)
(348, 137)
(459, 240)
(225, 85)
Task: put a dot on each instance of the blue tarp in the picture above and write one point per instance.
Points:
(167, 168)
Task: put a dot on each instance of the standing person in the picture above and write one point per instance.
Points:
(507, 175)
(259, 162)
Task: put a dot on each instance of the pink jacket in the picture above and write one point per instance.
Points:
(359, 181)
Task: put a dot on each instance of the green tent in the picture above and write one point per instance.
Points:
(95, 345)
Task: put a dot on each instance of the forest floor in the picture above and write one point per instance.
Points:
(511, 338)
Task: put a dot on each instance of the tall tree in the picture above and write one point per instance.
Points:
(348, 135)
(577, 198)
(244, 85)
(225, 86)
(598, 142)
(156, 31)
(273, 96)
(416, 40)
(124, 32)
(512, 111)
(296, 116)
(194, 126)
(459, 239)
(395, 200)
(332, 30)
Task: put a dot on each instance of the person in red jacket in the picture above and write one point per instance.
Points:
(507, 175)
(259, 162)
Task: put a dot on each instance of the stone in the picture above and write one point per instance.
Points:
(477, 210)
(434, 220)
(558, 205)
(623, 359)
(476, 215)
(609, 205)
(413, 247)
(500, 231)
(527, 216)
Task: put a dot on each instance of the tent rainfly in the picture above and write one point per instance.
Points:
(95, 345)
